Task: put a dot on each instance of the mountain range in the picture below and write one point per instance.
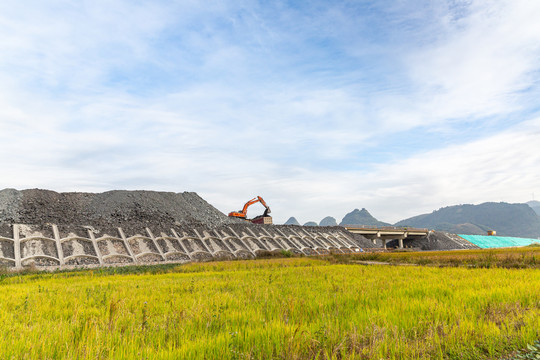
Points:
(521, 220)
(506, 219)
(361, 217)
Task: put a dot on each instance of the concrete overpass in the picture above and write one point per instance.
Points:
(386, 233)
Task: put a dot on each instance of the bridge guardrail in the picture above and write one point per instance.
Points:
(367, 227)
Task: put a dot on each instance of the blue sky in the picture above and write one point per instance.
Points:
(320, 107)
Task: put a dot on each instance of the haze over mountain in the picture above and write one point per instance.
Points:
(521, 220)
(292, 221)
(328, 221)
(361, 217)
(507, 219)
(535, 205)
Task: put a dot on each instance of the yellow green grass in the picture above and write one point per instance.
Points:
(521, 257)
(296, 308)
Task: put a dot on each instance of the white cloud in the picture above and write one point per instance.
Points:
(481, 64)
(235, 100)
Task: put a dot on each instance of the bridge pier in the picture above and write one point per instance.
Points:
(387, 233)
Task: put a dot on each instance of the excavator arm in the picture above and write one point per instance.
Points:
(241, 214)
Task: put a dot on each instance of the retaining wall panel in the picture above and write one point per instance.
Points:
(169, 244)
(38, 246)
(237, 244)
(272, 244)
(289, 244)
(29, 231)
(78, 247)
(112, 246)
(193, 245)
(140, 245)
(254, 244)
(186, 244)
(231, 245)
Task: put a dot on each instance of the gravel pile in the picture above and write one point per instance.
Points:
(436, 240)
(107, 211)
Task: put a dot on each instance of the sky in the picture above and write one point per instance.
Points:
(320, 107)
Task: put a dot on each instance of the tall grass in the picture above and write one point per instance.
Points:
(525, 257)
(296, 308)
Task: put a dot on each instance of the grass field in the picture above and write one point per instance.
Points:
(299, 308)
(522, 257)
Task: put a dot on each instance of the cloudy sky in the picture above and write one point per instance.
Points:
(401, 107)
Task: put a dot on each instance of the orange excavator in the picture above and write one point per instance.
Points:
(261, 219)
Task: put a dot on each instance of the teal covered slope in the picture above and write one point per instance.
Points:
(487, 242)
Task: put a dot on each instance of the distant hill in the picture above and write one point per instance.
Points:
(535, 205)
(328, 221)
(507, 219)
(311, 223)
(292, 221)
(361, 217)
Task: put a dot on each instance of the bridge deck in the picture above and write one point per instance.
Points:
(385, 233)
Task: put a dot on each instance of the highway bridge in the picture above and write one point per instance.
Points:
(386, 233)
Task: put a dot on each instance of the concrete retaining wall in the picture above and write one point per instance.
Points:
(49, 246)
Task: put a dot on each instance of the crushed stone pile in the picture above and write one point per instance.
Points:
(109, 210)
(436, 240)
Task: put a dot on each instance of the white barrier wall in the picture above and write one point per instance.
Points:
(49, 246)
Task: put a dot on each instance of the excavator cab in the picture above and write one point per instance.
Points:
(261, 219)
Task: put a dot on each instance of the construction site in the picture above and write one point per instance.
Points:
(48, 230)
(75, 284)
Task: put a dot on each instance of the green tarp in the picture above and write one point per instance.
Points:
(487, 242)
